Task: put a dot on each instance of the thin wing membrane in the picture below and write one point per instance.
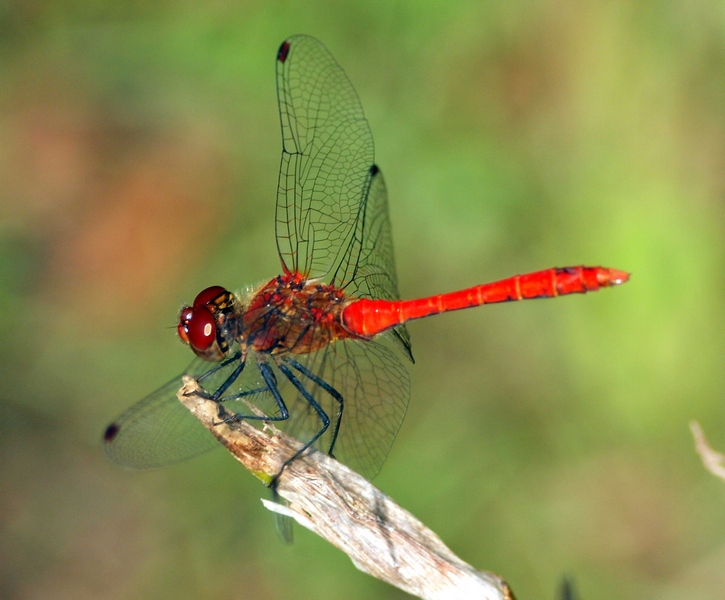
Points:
(326, 156)
(367, 269)
(375, 387)
(159, 430)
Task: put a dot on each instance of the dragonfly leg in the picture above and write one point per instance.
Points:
(243, 394)
(229, 380)
(234, 397)
(216, 395)
(271, 382)
(317, 408)
(330, 390)
(221, 365)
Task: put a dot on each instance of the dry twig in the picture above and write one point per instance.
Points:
(713, 461)
(381, 538)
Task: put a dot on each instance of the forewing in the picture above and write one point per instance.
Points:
(326, 157)
(375, 388)
(159, 430)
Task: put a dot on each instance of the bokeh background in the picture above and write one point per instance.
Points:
(139, 150)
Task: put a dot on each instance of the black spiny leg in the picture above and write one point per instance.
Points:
(330, 390)
(317, 408)
(271, 382)
(221, 365)
(228, 381)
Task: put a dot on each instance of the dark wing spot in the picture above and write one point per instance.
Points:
(374, 170)
(283, 52)
(110, 433)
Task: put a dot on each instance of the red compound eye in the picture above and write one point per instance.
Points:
(201, 329)
(206, 296)
(197, 328)
(183, 327)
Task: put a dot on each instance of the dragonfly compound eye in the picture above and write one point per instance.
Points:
(183, 327)
(198, 329)
(208, 295)
(201, 329)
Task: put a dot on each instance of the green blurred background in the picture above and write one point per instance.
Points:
(139, 150)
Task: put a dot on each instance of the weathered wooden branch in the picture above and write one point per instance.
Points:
(713, 461)
(380, 537)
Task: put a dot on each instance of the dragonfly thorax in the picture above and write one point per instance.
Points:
(290, 314)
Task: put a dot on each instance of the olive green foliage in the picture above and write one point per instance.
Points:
(139, 150)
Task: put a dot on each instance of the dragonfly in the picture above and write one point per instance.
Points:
(319, 349)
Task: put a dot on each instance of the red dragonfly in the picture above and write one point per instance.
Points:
(316, 349)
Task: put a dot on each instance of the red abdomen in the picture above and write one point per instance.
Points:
(367, 318)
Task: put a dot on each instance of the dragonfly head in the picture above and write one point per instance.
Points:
(205, 325)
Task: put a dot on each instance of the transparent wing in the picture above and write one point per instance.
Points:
(159, 430)
(372, 380)
(367, 266)
(375, 388)
(326, 158)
